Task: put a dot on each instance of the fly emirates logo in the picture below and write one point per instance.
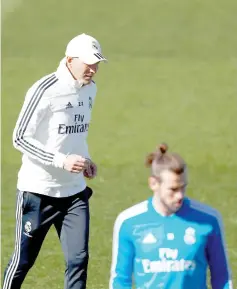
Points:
(168, 262)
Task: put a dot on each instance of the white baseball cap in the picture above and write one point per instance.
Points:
(85, 47)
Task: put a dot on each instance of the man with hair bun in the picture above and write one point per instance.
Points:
(169, 240)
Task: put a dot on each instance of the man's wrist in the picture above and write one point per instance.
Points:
(59, 160)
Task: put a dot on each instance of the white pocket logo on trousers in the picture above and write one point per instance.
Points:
(28, 226)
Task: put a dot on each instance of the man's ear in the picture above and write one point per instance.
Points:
(153, 183)
(69, 59)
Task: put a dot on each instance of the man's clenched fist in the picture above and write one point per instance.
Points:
(76, 163)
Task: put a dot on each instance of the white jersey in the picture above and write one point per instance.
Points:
(52, 124)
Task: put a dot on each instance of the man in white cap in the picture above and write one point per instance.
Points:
(51, 132)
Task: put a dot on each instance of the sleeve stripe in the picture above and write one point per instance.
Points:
(26, 119)
(125, 215)
(42, 85)
(115, 249)
(27, 148)
(213, 212)
(223, 239)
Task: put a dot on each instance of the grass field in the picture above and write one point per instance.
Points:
(171, 77)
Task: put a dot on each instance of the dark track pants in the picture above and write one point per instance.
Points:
(34, 216)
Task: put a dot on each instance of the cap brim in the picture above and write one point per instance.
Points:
(94, 58)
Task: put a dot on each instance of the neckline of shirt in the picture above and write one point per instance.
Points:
(179, 212)
(64, 73)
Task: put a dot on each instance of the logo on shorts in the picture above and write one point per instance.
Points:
(28, 227)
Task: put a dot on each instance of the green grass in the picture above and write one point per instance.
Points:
(171, 77)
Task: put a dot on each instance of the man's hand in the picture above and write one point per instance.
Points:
(91, 171)
(75, 163)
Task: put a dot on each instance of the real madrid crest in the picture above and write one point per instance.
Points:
(28, 226)
(95, 45)
(190, 236)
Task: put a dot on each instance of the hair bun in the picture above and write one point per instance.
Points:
(163, 148)
(149, 159)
